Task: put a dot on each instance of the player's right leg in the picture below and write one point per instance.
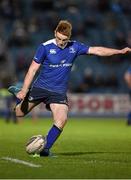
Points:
(22, 107)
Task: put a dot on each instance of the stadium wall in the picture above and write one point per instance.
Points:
(93, 105)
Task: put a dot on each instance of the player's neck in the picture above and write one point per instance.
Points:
(62, 47)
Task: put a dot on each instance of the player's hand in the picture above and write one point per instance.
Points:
(125, 50)
(21, 95)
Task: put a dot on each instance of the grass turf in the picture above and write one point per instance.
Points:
(93, 148)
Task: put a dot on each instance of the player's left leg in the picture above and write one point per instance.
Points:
(59, 112)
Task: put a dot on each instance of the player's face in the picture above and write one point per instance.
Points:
(61, 40)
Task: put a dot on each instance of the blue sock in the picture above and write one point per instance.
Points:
(51, 137)
(53, 134)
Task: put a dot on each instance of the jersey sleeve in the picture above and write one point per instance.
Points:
(40, 54)
(82, 49)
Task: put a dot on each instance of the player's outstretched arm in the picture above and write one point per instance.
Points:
(103, 51)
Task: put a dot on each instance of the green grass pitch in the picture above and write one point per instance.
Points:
(93, 148)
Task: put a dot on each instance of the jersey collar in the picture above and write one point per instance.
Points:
(54, 41)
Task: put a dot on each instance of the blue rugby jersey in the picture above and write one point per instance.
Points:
(56, 64)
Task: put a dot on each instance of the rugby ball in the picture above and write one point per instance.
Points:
(35, 144)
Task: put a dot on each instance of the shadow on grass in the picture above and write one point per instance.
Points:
(86, 153)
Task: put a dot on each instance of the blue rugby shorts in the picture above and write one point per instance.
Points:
(36, 94)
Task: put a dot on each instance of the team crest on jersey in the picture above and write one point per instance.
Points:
(72, 50)
(52, 51)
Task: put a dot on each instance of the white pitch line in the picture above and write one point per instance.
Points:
(21, 162)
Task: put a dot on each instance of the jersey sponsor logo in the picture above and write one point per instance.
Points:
(72, 50)
(52, 51)
(62, 64)
(67, 64)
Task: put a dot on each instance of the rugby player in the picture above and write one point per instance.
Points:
(56, 58)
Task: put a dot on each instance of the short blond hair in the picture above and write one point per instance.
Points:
(64, 27)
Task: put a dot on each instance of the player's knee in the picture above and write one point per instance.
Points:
(60, 123)
(63, 121)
